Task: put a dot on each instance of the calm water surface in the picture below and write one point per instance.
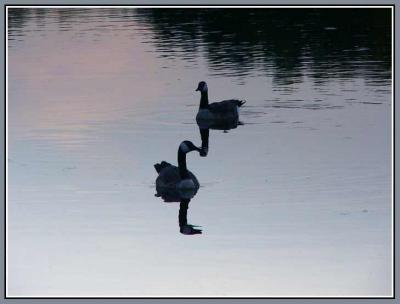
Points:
(296, 201)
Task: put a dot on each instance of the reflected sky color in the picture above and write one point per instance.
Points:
(294, 202)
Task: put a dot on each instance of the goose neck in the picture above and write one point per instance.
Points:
(204, 100)
(183, 172)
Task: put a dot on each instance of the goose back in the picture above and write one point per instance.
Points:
(225, 106)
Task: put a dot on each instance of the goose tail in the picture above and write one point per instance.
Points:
(241, 102)
(161, 166)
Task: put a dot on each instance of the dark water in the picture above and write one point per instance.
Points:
(298, 194)
(285, 44)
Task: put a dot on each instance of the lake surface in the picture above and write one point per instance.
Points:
(296, 201)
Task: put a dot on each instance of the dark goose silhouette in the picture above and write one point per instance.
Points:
(226, 111)
(177, 181)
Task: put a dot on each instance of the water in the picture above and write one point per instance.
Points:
(295, 201)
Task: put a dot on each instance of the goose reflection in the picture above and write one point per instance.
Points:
(184, 199)
(184, 227)
(223, 125)
(204, 134)
(204, 128)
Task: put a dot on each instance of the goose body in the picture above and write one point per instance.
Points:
(223, 112)
(169, 177)
(173, 181)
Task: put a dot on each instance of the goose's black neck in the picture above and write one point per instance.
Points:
(183, 172)
(204, 100)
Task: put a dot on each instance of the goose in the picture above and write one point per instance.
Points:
(178, 181)
(224, 111)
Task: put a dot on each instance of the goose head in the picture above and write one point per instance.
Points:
(187, 146)
(202, 87)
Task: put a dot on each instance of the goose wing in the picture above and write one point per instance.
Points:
(161, 166)
(168, 176)
(225, 105)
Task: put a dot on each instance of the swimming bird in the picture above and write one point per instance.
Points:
(178, 181)
(226, 111)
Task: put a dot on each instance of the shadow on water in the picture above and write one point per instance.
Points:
(184, 200)
(286, 44)
(184, 227)
(219, 125)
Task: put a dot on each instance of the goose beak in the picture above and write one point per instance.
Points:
(197, 89)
